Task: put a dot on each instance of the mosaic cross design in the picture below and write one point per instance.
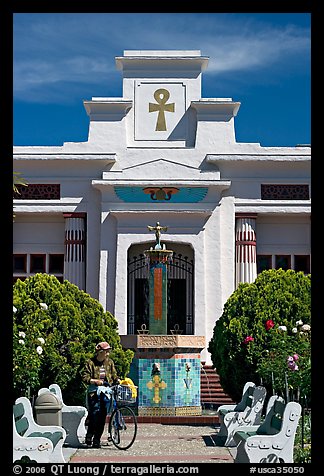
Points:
(156, 384)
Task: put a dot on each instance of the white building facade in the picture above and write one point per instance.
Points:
(161, 153)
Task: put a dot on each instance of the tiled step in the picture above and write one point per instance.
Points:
(211, 391)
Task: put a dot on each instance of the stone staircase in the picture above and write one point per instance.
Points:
(211, 392)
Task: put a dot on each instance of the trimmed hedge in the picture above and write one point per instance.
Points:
(55, 329)
(264, 325)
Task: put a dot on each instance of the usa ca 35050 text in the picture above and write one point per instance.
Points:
(283, 470)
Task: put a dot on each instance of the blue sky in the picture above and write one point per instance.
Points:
(259, 59)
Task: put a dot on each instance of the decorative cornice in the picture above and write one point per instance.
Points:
(108, 158)
(221, 184)
(107, 106)
(273, 206)
(170, 211)
(216, 107)
(173, 62)
(148, 341)
(280, 156)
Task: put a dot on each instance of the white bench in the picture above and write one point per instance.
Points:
(247, 412)
(273, 441)
(265, 426)
(33, 442)
(223, 409)
(73, 417)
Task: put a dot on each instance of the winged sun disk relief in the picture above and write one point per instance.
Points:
(179, 195)
(158, 193)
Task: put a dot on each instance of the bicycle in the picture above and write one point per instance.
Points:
(122, 426)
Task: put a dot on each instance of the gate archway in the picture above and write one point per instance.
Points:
(180, 289)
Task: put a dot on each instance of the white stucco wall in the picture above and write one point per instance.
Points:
(200, 150)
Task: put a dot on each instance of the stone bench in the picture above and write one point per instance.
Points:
(33, 442)
(273, 407)
(73, 417)
(223, 409)
(247, 412)
(273, 441)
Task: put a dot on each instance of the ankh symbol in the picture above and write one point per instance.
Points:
(161, 96)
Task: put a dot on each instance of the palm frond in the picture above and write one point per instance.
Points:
(18, 180)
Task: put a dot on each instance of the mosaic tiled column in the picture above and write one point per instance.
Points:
(74, 244)
(166, 369)
(158, 281)
(245, 249)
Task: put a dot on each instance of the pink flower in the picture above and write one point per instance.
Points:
(291, 361)
(292, 366)
(248, 339)
(269, 324)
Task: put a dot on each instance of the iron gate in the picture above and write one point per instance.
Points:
(180, 294)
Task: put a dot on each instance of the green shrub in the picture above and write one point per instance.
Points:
(55, 329)
(263, 324)
(303, 441)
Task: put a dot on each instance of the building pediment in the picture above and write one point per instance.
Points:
(162, 169)
(161, 180)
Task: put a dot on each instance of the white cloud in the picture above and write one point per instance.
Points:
(59, 50)
(257, 50)
(30, 74)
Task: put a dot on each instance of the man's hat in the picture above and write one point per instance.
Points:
(102, 346)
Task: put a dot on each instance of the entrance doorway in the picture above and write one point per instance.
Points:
(180, 290)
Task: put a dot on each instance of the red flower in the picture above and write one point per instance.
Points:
(269, 323)
(248, 339)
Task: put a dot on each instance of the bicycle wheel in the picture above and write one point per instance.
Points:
(123, 427)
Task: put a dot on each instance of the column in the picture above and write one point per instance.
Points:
(158, 299)
(158, 289)
(74, 246)
(245, 248)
